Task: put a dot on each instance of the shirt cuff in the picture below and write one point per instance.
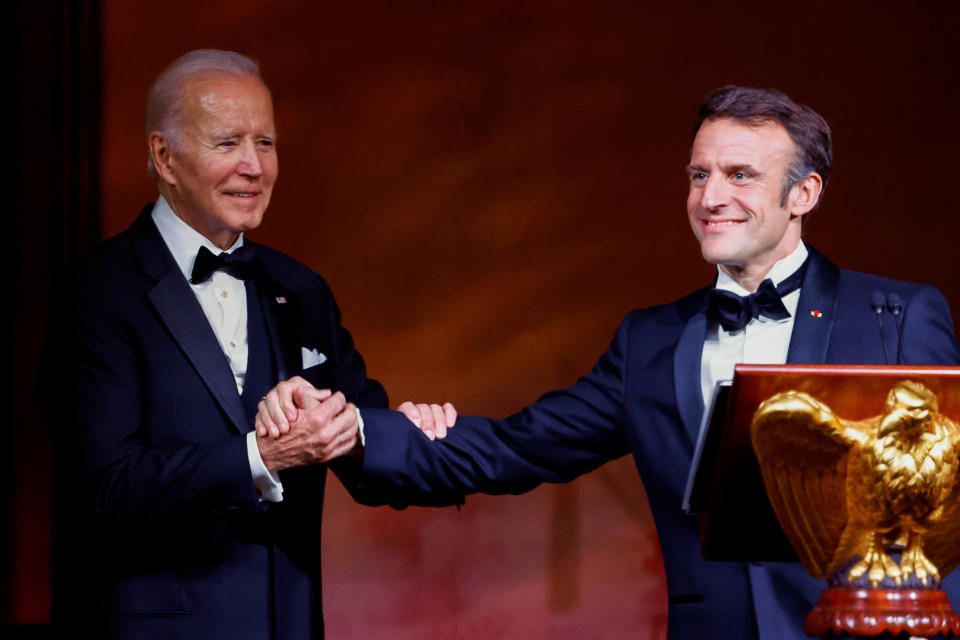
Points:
(267, 482)
(363, 439)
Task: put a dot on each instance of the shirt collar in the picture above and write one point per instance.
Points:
(183, 240)
(781, 270)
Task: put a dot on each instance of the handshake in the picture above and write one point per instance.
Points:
(298, 424)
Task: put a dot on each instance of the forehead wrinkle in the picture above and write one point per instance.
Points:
(727, 133)
(224, 96)
(223, 107)
(756, 159)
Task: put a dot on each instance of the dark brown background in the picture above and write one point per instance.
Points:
(489, 187)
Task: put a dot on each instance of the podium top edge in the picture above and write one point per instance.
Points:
(846, 369)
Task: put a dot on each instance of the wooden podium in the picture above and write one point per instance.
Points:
(738, 521)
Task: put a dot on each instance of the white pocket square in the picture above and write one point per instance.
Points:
(311, 357)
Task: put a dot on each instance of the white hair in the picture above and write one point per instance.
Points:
(164, 100)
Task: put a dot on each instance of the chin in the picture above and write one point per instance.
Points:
(247, 221)
(717, 255)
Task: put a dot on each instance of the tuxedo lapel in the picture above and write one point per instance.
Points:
(816, 311)
(281, 311)
(686, 370)
(179, 310)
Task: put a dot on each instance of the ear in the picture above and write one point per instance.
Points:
(162, 154)
(805, 194)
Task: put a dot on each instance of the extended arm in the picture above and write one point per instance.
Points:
(565, 434)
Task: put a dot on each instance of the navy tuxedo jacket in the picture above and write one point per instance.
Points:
(160, 531)
(643, 397)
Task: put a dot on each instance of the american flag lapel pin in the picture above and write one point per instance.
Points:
(281, 300)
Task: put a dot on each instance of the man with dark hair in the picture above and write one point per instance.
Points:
(174, 519)
(809, 132)
(758, 167)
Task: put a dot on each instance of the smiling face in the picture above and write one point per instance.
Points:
(220, 176)
(736, 205)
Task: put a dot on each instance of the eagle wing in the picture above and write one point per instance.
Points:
(802, 448)
(942, 541)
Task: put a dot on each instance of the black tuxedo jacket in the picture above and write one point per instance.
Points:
(643, 397)
(160, 531)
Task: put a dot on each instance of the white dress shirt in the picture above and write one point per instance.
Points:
(223, 299)
(762, 341)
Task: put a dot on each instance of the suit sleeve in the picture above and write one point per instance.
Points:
(927, 330)
(563, 435)
(91, 388)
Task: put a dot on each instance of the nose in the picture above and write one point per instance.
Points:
(250, 164)
(715, 194)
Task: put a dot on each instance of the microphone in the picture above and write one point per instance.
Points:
(879, 305)
(895, 305)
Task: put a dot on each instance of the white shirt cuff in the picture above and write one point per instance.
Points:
(267, 482)
(363, 439)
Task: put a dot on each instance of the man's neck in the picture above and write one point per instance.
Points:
(182, 239)
(749, 277)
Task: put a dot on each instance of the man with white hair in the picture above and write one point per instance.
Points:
(174, 519)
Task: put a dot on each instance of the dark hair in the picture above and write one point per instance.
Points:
(807, 129)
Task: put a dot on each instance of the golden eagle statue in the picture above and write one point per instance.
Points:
(854, 495)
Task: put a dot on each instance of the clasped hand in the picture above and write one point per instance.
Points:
(298, 424)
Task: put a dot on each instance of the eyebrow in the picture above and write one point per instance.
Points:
(733, 168)
(228, 136)
(744, 168)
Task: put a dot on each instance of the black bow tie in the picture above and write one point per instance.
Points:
(733, 312)
(239, 264)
